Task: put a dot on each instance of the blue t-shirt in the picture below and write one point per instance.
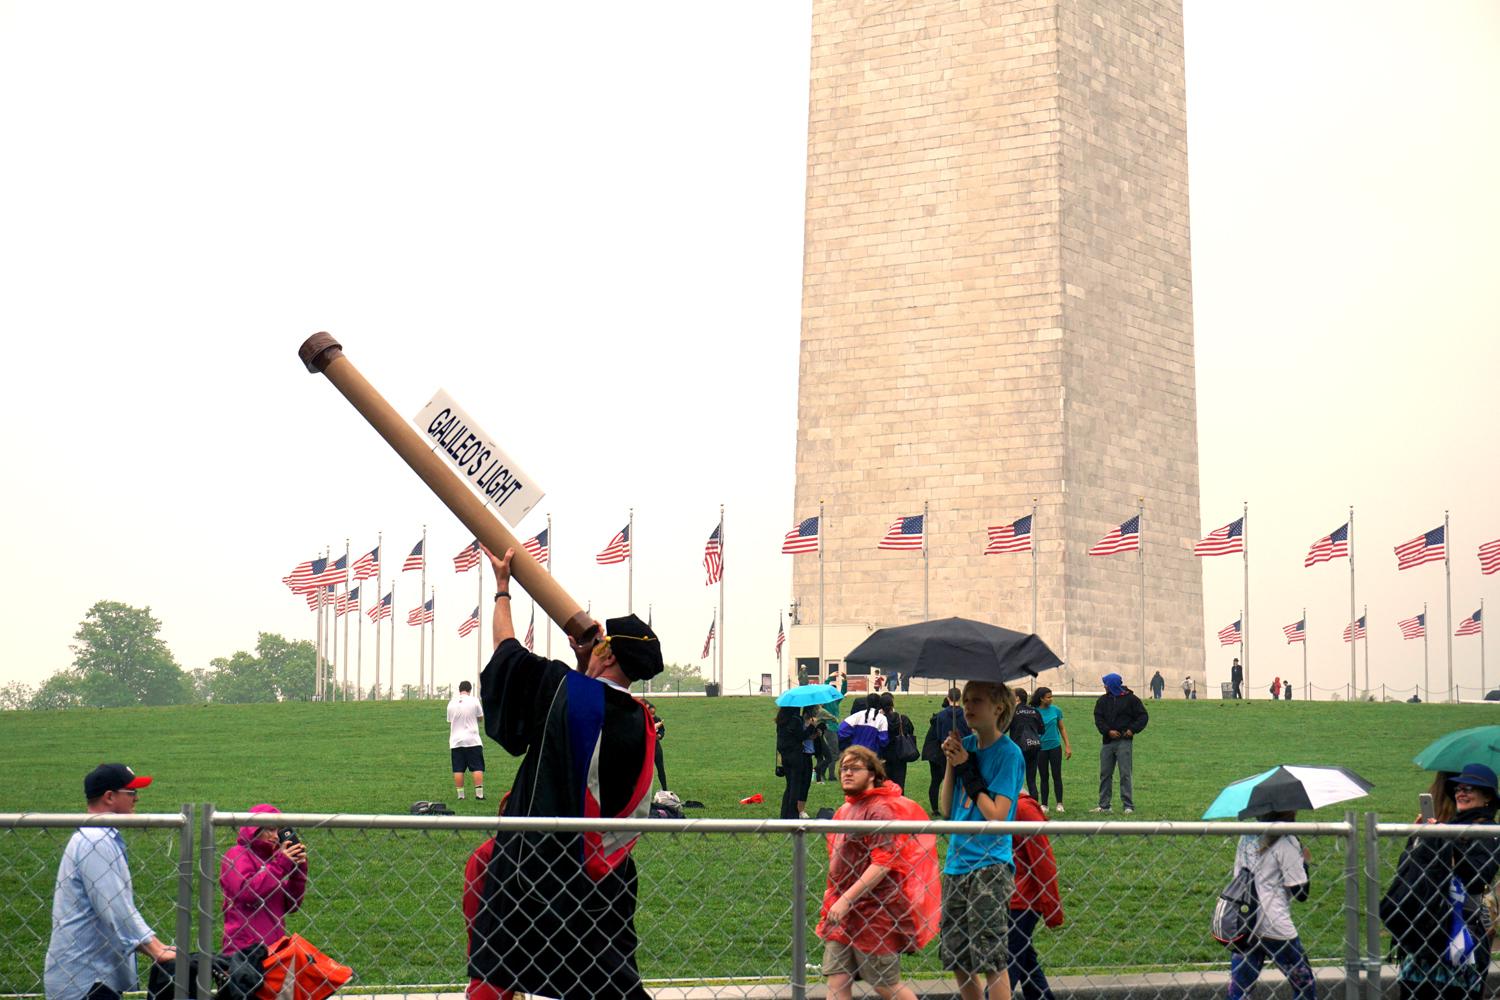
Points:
(1004, 768)
(1051, 738)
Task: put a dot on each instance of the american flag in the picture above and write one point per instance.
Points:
(1414, 627)
(1471, 625)
(367, 566)
(802, 538)
(713, 557)
(531, 630)
(1125, 538)
(467, 558)
(1425, 548)
(335, 572)
(1358, 630)
(351, 602)
(618, 549)
(304, 577)
(380, 611)
(708, 642)
(1334, 545)
(340, 606)
(1489, 557)
(1013, 537)
(420, 615)
(905, 534)
(540, 546)
(414, 561)
(780, 635)
(1296, 631)
(319, 595)
(1229, 635)
(470, 623)
(1223, 541)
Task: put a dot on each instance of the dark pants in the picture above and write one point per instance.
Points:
(1030, 756)
(661, 767)
(939, 767)
(823, 758)
(798, 768)
(1235, 693)
(101, 992)
(1245, 966)
(1050, 759)
(1024, 965)
(1117, 752)
(895, 770)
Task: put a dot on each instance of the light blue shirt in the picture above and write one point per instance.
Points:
(1004, 768)
(95, 925)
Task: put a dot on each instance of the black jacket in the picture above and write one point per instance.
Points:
(792, 730)
(1415, 909)
(944, 721)
(1119, 712)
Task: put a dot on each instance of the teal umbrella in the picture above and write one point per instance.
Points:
(1287, 788)
(808, 694)
(1467, 746)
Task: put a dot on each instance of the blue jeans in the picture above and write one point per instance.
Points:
(1245, 965)
(1023, 965)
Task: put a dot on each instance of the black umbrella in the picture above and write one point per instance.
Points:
(956, 648)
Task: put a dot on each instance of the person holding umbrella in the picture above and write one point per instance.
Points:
(1279, 865)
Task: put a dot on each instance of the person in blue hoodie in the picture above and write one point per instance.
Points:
(1119, 716)
(866, 726)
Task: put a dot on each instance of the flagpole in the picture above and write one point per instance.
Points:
(1245, 612)
(330, 687)
(822, 612)
(550, 542)
(1426, 679)
(359, 659)
(390, 687)
(1353, 652)
(421, 624)
(345, 664)
(1484, 684)
(1033, 570)
(317, 645)
(630, 565)
(721, 597)
(1242, 650)
(1140, 552)
(1306, 691)
(1365, 614)
(379, 586)
(1448, 588)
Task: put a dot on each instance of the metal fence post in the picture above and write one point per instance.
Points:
(208, 882)
(1352, 959)
(184, 937)
(1373, 988)
(799, 914)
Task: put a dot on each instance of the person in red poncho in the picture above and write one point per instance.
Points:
(1036, 898)
(883, 895)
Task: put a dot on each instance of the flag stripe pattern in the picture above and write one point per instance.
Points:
(709, 642)
(304, 577)
(1223, 541)
(1425, 548)
(468, 558)
(420, 615)
(618, 549)
(780, 636)
(367, 566)
(335, 572)
(380, 611)
(1489, 557)
(1013, 537)
(415, 560)
(531, 631)
(1125, 538)
(351, 600)
(713, 557)
(1414, 627)
(905, 534)
(802, 538)
(540, 546)
(1230, 635)
(470, 623)
(1334, 545)
(1296, 631)
(1471, 625)
(1358, 630)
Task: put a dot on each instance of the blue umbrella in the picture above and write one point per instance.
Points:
(1287, 788)
(808, 694)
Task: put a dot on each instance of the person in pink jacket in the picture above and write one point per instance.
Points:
(263, 879)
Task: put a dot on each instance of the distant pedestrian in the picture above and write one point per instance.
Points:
(1055, 746)
(1119, 716)
(1236, 678)
(1158, 685)
(1189, 687)
(898, 726)
(464, 746)
(1276, 689)
(96, 928)
(1026, 732)
(795, 731)
(948, 719)
(1286, 691)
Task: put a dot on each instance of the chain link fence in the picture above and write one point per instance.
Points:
(726, 908)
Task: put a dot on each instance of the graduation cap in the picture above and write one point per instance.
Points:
(635, 647)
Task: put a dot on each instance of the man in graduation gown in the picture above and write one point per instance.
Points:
(558, 913)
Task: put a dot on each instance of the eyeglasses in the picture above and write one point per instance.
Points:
(852, 768)
(128, 791)
(1465, 789)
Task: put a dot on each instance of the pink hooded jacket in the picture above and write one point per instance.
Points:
(261, 886)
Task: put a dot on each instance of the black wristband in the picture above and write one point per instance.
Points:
(502, 593)
(973, 780)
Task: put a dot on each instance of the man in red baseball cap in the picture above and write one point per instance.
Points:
(96, 929)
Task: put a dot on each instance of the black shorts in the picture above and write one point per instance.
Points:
(467, 759)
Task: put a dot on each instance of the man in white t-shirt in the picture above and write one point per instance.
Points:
(464, 713)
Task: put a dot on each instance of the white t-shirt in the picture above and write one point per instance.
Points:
(1276, 870)
(464, 714)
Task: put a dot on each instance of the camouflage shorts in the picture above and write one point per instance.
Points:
(976, 919)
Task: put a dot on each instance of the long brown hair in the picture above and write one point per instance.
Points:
(1444, 808)
(865, 756)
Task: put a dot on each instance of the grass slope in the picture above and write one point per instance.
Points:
(711, 906)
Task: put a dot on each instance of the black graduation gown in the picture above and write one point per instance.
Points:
(547, 926)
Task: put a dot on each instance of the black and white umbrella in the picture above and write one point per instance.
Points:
(1287, 788)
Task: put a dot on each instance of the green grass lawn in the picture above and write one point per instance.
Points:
(712, 906)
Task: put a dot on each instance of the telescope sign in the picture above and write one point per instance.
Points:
(480, 461)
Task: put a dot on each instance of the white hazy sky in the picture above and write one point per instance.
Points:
(538, 207)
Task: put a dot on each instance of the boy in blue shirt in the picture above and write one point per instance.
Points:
(981, 782)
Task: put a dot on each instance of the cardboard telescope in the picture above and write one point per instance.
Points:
(321, 353)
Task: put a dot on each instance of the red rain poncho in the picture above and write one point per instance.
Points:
(900, 913)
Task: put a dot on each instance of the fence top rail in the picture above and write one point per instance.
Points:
(560, 824)
(1442, 831)
(134, 821)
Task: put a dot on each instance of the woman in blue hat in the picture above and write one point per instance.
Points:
(1435, 908)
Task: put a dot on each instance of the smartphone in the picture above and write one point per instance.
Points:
(1424, 806)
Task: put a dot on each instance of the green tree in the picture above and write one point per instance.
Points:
(678, 677)
(63, 689)
(122, 659)
(289, 667)
(240, 680)
(15, 696)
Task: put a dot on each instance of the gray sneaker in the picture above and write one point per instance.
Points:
(1100, 809)
(1130, 809)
